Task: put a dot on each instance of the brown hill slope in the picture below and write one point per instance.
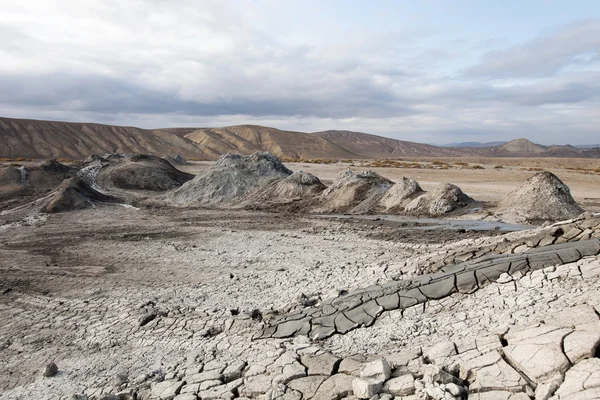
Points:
(51, 139)
(373, 146)
(248, 139)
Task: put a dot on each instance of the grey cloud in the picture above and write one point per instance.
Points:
(545, 55)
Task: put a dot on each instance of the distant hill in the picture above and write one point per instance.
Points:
(473, 144)
(247, 139)
(373, 146)
(53, 139)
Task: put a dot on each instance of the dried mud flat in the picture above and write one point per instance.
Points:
(193, 303)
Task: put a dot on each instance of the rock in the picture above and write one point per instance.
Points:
(166, 390)
(255, 385)
(537, 352)
(581, 381)
(208, 385)
(307, 385)
(322, 364)
(213, 375)
(402, 358)
(50, 370)
(146, 318)
(377, 370)
(351, 365)
(498, 395)
(334, 387)
(403, 385)
(186, 396)
(365, 389)
(234, 371)
(454, 389)
(215, 366)
(434, 374)
(222, 392)
(440, 352)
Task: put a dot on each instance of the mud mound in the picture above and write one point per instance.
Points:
(140, 172)
(230, 178)
(54, 166)
(9, 176)
(298, 189)
(73, 194)
(354, 193)
(444, 198)
(19, 186)
(92, 158)
(176, 160)
(543, 197)
(400, 194)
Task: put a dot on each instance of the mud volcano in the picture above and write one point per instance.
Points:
(230, 178)
(73, 194)
(294, 193)
(400, 194)
(543, 197)
(140, 172)
(354, 193)
(444, 198)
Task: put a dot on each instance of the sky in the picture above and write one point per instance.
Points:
(432, 71)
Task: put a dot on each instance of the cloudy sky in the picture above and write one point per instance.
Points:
(434, 71)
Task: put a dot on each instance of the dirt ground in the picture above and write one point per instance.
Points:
(121, 297)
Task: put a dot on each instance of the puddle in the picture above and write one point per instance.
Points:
(437, 223)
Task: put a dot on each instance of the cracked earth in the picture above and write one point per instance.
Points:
(204, 304)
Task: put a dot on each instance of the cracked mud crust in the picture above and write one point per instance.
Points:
(192, 303)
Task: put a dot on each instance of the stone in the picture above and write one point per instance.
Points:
(255, 385)
(440, 352)
(166, 390)
(581, 378)
(222, 392)
(497, 376)
(402, 358)
(377, 370)
(538, 354)
(208, 385)
(351, 365)
(290, 371)
(403, 385)
(50, 370)
(334, 387)
(322, 364)
(454, 389)
(499, 395)
(582, 342)
(365, 389)
(215, 366)
(192, 388)
(186, 396)
(234, 371)
(200, 377)
(307, 385)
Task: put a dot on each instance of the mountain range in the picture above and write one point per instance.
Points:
(52, 139)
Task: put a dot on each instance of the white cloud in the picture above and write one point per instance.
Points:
(158, 63)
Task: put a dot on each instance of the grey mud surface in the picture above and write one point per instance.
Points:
(192, 303)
